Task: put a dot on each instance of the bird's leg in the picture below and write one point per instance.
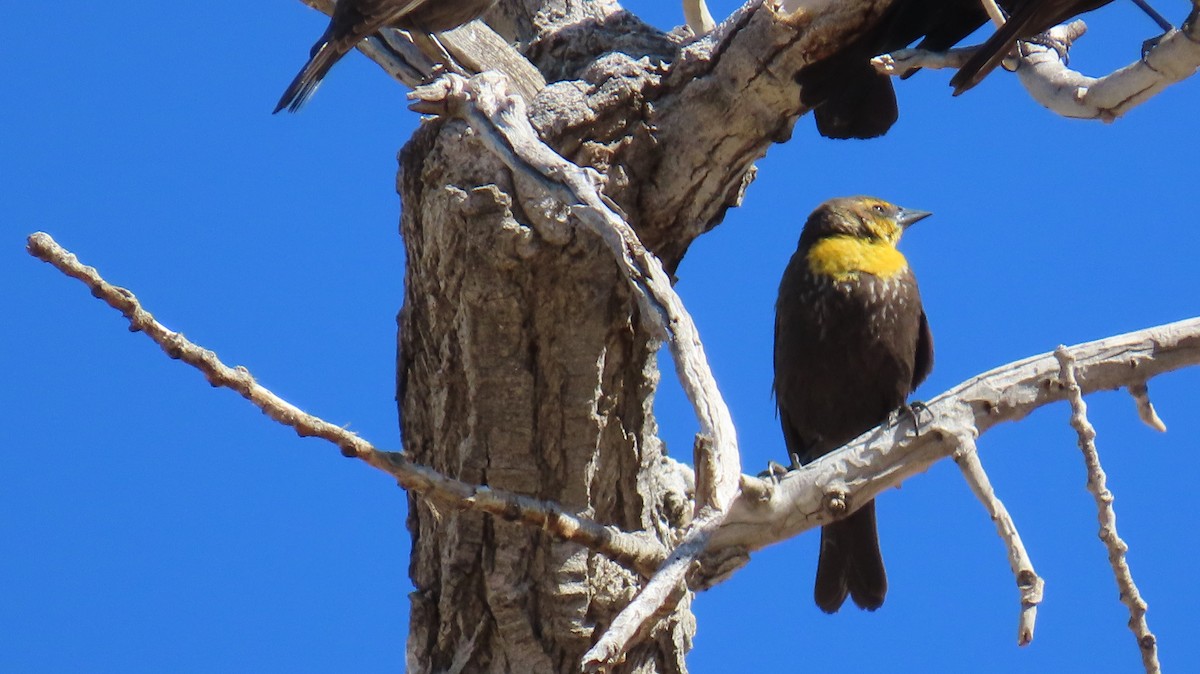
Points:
(916, 408)
(1158, 19)
(913, 412)
(1046, 40)
(1155, 17)
(775, 471)
(433, 47)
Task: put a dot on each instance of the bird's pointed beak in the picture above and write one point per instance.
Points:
(907, 217)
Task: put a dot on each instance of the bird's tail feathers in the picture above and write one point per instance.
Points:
(324, 54)
(850, 563)
(993, 51)
(850, 99)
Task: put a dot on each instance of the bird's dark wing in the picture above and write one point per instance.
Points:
(436, 16)
(923, 362)
(955, 20)
(363, 17)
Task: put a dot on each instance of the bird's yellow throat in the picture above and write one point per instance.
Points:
(843, 257)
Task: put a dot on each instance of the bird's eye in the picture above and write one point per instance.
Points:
(878, 208)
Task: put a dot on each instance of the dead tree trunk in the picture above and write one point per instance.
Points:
(522, 362)
(521, 369)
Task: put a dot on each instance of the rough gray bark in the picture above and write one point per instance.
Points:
(522, 371)
(523, 364)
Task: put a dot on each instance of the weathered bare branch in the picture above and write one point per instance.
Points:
(1146, 412)
(748, 64)
(635, 551)
(1071, 94)
(904, 60)
(887, 455)
(661, 593)
(1029, 583)
(993, 12)
(1097, 485)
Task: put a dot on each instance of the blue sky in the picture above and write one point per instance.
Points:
(151, 523)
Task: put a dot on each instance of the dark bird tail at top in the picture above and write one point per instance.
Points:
(324, 54)
(1029, 18)
(992, 52)
(850, 563)
(852, 100)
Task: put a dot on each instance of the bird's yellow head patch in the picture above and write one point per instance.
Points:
(852, 235)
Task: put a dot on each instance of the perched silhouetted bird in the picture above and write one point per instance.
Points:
(854, 101)
(851, 343)
(355, 20)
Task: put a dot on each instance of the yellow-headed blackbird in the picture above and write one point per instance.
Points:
(851, 343)
(852, 100)
(355, 20)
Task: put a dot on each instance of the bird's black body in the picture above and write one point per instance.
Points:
(854, 101)
(355, 20)
(850, 345)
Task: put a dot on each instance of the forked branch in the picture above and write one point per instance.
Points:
(635, 551)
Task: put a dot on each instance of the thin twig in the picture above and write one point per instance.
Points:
(1029, 583)
(1145, 409)
(1097, 485)
(634, 551)
(902, 61)
(993, 12)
